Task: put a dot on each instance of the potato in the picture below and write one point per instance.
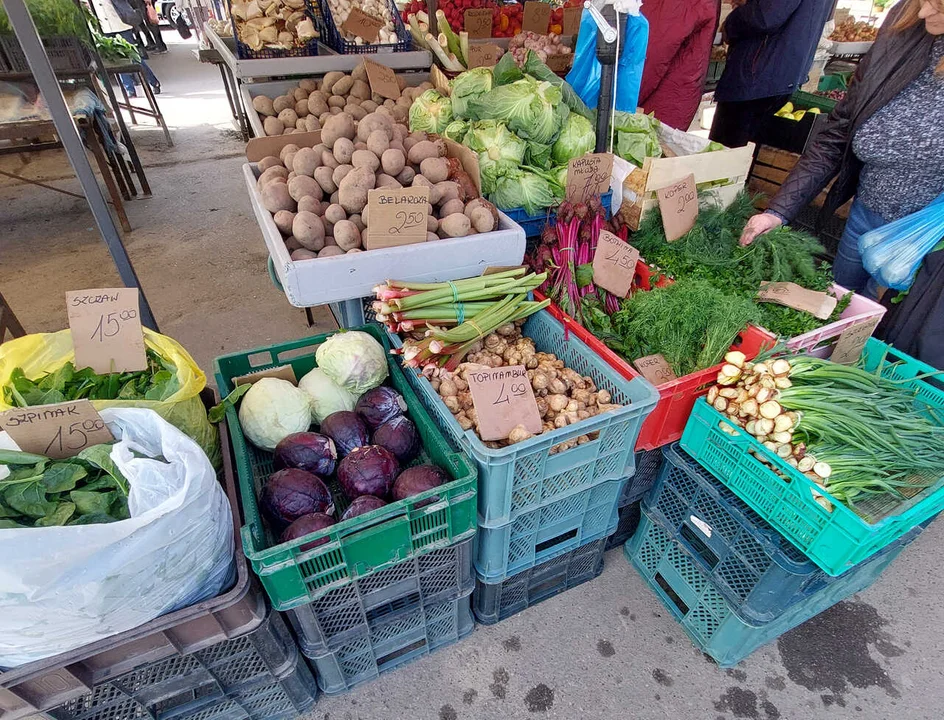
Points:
(340, 172)
(436, 169)
(275, 197)
(360, 73)
(335, 110)
(263, 105)
(355, 111)
(303, 254)
(378, 142)
(455, 225)
(308, 85)
(288, 117)
(360, 89)
(482, 220)
(288, 131)
(385, 111)
(328, 159)
(311, 204)
(368, 105)
(269, 161)
(434, 192)
(300, 124)
(423, 87)
(384, 180)
(337, 126)
(330, 251)
(335, 214)
(311, 123)
(301, 108)
(376, 98)
(451, 207)
(392, 162)
(309, 230)
(329, 240)
(299, 187)
(346, 235)
(268, 175)
(299, 94)
(273, 126)
(404, 102)
(360, 145)
(317, 105)
(343, 150)
(375, 121)
(364, 220)
(329, 80)
(336, 101)
(397, 145)
(400, 132)
(447, 191)
(289, 160)
(324, 117)
(324, 176)
(305, 162)
(343, 86)
(421, 151)
(358, 221)
(430, 236)
(352, 192)
(283, 102)
(406, 176)
(432, 224)
(365, 158)
(388, 103)
(401, 114)
(334, 198)
(283, 221)
(291, 243)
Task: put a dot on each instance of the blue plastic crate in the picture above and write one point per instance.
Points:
(712, 623)
(534, 224)
(547, 532)
(518, 479)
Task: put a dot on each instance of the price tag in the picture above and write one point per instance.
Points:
(478, 23)
(360, 24)
(106, 330)
(486, 55)
(614, 264)
(570, 25)
(852, 341)
(397, 217)
(537, 17)
(503, 399)
(491, 270)
(58, 431)
(283, 372)
(560, 63)
(588, 176)
(819, 304)
(655, 369)
(678, 204)
(382, 80)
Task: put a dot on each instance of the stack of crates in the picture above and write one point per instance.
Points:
(648, 465)
(544, 515)
(371, 593)
(731, 580)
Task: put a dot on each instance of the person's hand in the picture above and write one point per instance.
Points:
(758, 225)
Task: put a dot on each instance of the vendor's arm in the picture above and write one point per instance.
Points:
(758, 17)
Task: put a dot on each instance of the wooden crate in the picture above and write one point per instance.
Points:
(770, 170)
(639, 188)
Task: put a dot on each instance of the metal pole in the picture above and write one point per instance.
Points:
(69, 135)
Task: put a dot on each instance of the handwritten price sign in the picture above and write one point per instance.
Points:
(503, 399)
(655, 368)
(614, 264)
(486, 55)
(819, 304)
(360, 24)
(852, 341)
(106, 329)
(678, 204)
(397, 217)
(382, 80)
(588, 176)
(478, 23)
(57, 431)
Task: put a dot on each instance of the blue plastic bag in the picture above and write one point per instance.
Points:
(893, 253)
(584, 76)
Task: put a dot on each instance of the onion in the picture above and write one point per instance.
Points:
(735, 358)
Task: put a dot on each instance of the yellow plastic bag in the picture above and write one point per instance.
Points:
(43, 353)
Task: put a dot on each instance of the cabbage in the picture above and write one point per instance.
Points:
(636, 137)
(536, 68)
(499, 150)
(468, 86)
(271, 410)
(577, 137)
(524, 189)
(430, 112)
(354, 360)
(532, 110)
(326, 395)
(457, 130)
(538, 155)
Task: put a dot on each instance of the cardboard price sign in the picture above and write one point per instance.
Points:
(106, 330)
(852, 341)
(283, 372)
(678, 204)
(560, 63)
(655, 369)
(588, 176)
(382, 80)
(537, 17)
(492, 269)
(614, 264)
(486, 55)
(397, 217)
(478, 23)
(58, 431)
(358, 23)
(503, 399)
(819, 304)
(570, 24)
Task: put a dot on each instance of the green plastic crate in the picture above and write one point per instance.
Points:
(804, 101)
(834, 540)
(360, 546)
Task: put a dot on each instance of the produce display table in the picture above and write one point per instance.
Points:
(113, 70)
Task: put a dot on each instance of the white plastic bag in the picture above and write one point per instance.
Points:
(64, 587)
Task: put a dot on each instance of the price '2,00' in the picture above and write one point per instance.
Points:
(407, 220)
(110, 325)
(78, 433)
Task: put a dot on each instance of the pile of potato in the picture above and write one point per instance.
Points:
(318, 195)
(274, 24)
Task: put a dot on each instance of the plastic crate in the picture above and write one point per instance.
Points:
(667, 420)
(493, 602)
(820, 341)
(441, 575)
(547, 532)
(712, 623)
(52, 681)
(627, 525)
(392, 641)
(259, 668)
(516, 480)
(331, 33)
(534, 224)
(804, 100)
(66, 54)
(361, 545)
(834, 540)
(244, 52)
(648, 465)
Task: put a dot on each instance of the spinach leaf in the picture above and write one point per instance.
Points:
(218, 412)
(10, 525)
(60, 516)
(60, 477)
(100, 456)
(91, 503)
(29, 499)
(93, 519)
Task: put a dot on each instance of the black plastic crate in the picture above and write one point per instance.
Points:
(628, 523)
(495, 602)
(331, 32)
(648, 465)
(66, 54)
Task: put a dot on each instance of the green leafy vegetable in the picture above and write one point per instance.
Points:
(430, 112)
(218, 412)
(536, 68)
(467, 87)
(500, 151)
(528, 190)
(577, 138)
(532, 110)
(636, 137)
(52, 18)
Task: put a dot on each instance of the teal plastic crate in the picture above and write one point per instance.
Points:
(712, 623)
(838, 539)
(520, 478)
(547, 532)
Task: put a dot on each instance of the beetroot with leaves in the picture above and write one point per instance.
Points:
(417, 479)
(368, 470)
(306, 525)
(361, 505)
(380, 405)
(347, 430)
(400, 437)
(309, 451)
(290, 493)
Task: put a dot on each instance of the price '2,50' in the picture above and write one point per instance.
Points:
(76, 438)
(407, 220)
(110, 325)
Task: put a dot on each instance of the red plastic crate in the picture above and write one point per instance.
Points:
(676, 398)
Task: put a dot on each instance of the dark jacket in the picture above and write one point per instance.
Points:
(916, 324)
(770, 47)
(893, 62)
(681, 33)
